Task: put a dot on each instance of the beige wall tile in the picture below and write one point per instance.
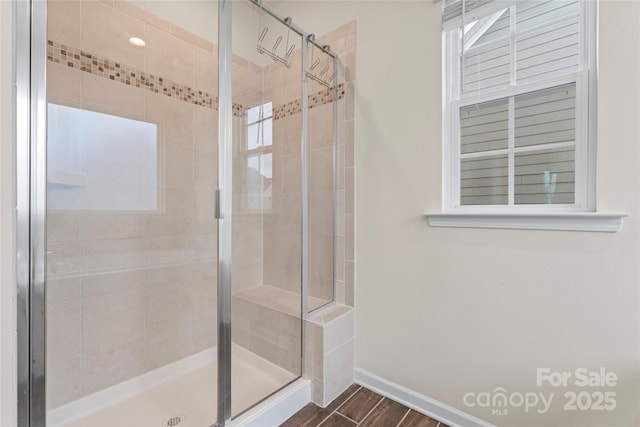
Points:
(349, 61)
(349, 154)
(113, 254)
(206, 170)
(205, 333)
(206, 71)
(321, 213)
(175, 216)
(106, 368)
(273, 259)
(111, 226)
(149, 18)
(205, 130)
(63, 227)
(349, 101)
(173, 117)
(177, 203)
(64, 85)
(338, 370)
(169, 303)
(112, 320)
(317, 394)
(110, 97)
(340, 170)
(340, 220)
(63, 258)
(169, 250)
(349, 176)
(191, 38)
(338, 331)
(178, 167)
(204, 221)
(349, 251)
(292, 174)
(291, 215)
(340, 291)
(349, 282)
(349, 297)
(106, 32)
(167, 345)
(166, 225)
(321, 169)
(247, 254)
(168, 56)
(63, 289)
(204, 246)
(63, 22)
(118, 282)
(321, 126)
(321, 266)
(64, 338)
(64, 382)
(292, 134)
(340, 258)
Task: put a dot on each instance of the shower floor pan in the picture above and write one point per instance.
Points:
(188, 399)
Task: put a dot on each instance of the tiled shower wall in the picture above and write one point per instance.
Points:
(129, 292)
(343, 42)
(282, 238)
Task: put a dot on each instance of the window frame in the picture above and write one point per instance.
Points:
(585, 79)
(259, 151)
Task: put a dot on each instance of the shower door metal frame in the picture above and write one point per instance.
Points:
(31, 188)
(224, 209)
(224, 202)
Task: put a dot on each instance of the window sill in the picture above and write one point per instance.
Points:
(570, 221)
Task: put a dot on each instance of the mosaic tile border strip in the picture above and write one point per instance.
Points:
(315, 100)
(89, 63)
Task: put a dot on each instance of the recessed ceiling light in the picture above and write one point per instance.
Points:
(136, 41)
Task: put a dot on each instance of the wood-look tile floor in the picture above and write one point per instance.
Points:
(359, 406)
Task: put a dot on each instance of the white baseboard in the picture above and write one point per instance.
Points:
(279, 407)
(419, 402)
(124, 390)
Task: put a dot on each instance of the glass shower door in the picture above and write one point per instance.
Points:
(132, 241)
(266, 184)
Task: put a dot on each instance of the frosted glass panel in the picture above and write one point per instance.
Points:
(101, 162)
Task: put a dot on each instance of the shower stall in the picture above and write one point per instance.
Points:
(178, 203)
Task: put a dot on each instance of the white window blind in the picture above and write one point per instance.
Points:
(517, 87)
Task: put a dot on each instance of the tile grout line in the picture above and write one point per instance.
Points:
(372, 409)
(405, 416)
(344, 416)
(339, 406)
(348, 398)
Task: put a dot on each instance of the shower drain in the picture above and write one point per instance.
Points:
(174, 421)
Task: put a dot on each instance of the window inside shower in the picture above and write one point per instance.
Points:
(259, 153)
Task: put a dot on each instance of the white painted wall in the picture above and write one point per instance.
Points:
(450, 311)
(7, 271)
